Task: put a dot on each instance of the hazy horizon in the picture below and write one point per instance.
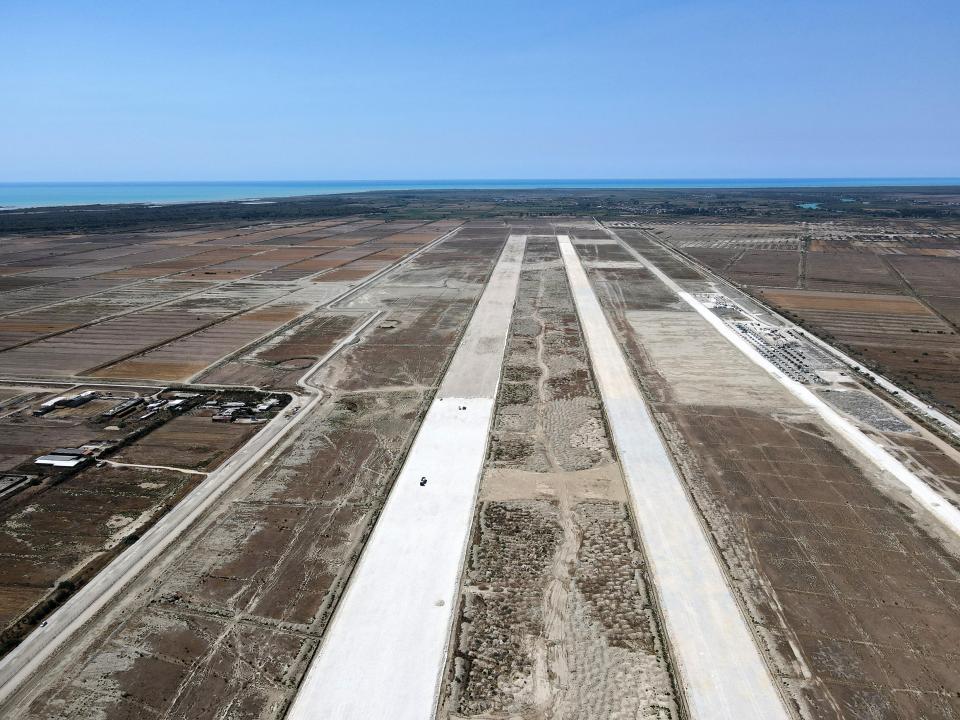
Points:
(882, 179)
(47, 194)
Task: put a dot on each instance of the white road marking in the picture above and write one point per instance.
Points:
(384, 652)
(722, 673)
(926, 496)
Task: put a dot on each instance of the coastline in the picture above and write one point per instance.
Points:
(36, 195)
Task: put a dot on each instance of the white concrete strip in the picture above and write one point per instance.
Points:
(946, 422)
(722, 673)
(925, 495)
(384, 651)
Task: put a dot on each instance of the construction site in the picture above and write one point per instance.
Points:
(487, 465)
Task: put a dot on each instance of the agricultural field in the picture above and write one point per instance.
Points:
(24, 436)
(168, 306)
(56, 538)
(276, 557)
(61, 525)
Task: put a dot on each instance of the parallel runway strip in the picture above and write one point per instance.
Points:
(722, 673)
(384, 651)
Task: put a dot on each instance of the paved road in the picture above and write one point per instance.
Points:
(384, 652)
(722, 673)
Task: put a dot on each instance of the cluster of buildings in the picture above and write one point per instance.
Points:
(74, 457)
(241, 411)
(66, 401)
(149, 406)
(140, 408)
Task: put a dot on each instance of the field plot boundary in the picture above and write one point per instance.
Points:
(328, 303)
(926, 496)
(111, 316)
(384, 651)
(722, 673)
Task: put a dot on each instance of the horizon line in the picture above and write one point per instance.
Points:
(490, 179)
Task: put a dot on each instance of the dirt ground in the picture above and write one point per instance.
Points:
(132, 306)
(189, 441)
(180, 360)
(854, 600)
(899, 336)
(23, 437)
(65, 531)
(281, 362)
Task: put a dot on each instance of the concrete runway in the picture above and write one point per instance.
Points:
(722, 672)
(384, 652)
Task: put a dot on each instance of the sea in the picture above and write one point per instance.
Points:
(46, 194)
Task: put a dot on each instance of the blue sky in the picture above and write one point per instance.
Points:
(376, 90)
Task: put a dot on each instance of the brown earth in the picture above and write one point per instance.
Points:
(189, 441)
(65, 532)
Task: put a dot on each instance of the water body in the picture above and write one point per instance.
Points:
(40, 194)
(809, 205)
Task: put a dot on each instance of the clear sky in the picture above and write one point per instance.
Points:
(282, 90)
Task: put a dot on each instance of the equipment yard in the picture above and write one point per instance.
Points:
(885, 292)
(515, 456)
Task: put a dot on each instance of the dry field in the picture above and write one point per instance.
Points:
(189, 441)
(182, 359)
(899, 335)
(165, 306)
(281, 361)
(23, 437)
(54, 539)
(60, 529)
(853, 597)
